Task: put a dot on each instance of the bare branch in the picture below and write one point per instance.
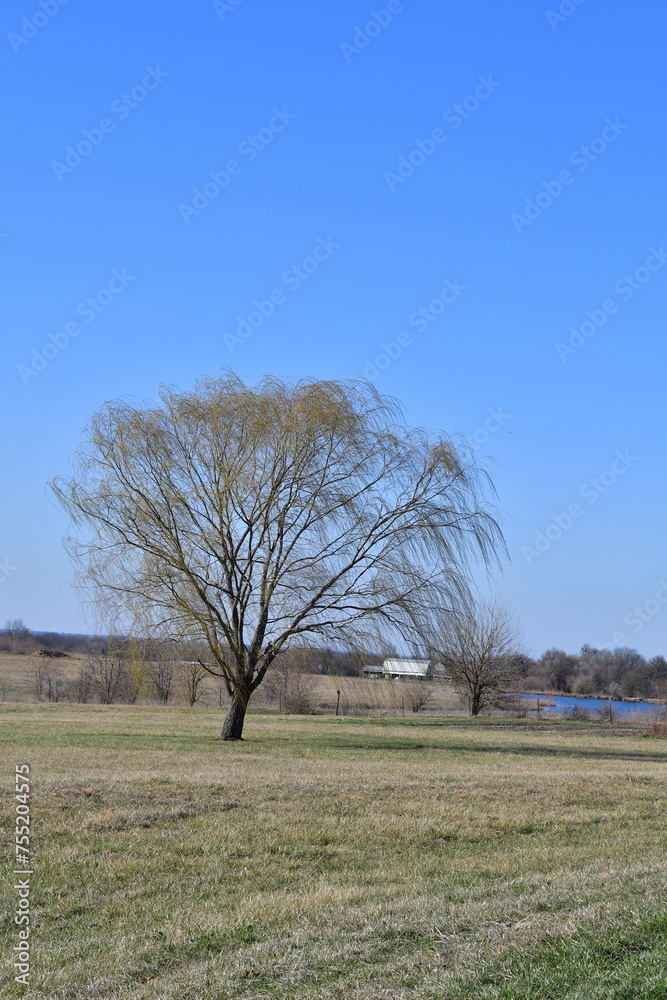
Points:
(248, 518)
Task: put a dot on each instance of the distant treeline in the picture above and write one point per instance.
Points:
(16, 637)
(617, 673)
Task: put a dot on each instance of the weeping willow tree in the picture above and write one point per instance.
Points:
(252, 518)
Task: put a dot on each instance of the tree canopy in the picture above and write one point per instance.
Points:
(255, 517)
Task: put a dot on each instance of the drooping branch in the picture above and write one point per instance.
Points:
(250, 517)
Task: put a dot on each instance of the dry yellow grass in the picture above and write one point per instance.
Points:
(358, 694)
(15, 674)
(361, 694)
(340, 858)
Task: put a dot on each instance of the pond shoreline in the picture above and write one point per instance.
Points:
(591, 697)
(569, 703)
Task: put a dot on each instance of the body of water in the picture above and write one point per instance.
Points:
(562, 703)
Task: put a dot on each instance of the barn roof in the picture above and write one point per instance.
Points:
(412, 668)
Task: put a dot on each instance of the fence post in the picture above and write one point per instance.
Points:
(538, 709)
(337, 701)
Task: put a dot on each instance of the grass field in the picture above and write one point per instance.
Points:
(336, 858)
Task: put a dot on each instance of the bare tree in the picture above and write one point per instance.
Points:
(193, 675)
(157, 666)
(619, 672)
(57, 687)
(248, 518)
(38, 678)
(161, 675)
(559, 668)
(479, 645)
(289, 684)
(18, 634)
(657, 668)
(82, 687)
(108, 668)
(48, 681)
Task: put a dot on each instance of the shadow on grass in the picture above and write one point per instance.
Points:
(320, 743)
(513, 750)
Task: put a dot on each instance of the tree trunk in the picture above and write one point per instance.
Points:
(232, 727)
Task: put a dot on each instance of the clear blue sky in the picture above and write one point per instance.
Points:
(312, 123)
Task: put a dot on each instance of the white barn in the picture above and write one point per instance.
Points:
(396, 667)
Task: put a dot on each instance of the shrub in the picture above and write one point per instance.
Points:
(515, 706)
(288, 684)
(605, 713)
(417, 694)
(577, 714)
